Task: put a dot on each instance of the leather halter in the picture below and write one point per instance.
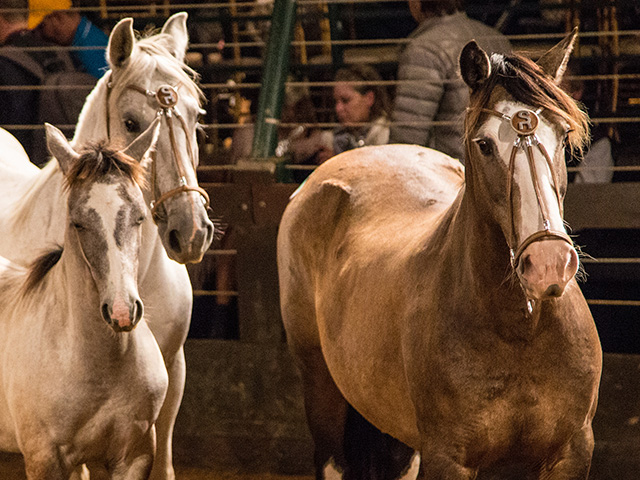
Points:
(525, 123)
(166, 97)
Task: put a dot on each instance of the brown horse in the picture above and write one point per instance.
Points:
(439, 303)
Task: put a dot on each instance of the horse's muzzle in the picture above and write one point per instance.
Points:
(120, 317)
(546, 267)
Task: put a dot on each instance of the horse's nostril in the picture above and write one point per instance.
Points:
(553, 291)
(138, 311)
(210, 231)
(105, 314)
(174, 241)
(524, 264)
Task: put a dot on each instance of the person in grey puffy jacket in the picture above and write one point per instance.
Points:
(431, 96)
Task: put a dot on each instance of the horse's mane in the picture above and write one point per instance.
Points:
(39, 269)
(97, 161)
(150, 53)
(526, 82)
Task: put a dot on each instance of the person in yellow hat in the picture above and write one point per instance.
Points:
(60, 24)
(28, 59)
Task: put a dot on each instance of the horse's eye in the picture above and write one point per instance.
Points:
(131, 125)
(485, 146)
(78, 227)
(140, 219)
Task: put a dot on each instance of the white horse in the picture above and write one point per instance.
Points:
(71, 390)
(148, 78)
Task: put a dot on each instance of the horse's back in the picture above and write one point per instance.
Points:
(16, 171)
(380, 187)
(13, 157)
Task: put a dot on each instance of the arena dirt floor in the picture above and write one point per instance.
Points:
(12, 468)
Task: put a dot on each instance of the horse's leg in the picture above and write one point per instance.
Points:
(166, 291)
(46, 465)
(575, 459)
(436, 464)
(81, 473)
(326, 411)
(138, 461)
(163, 463)
(373, 455)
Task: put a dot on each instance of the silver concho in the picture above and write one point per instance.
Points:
(167, 96)
(525, 122)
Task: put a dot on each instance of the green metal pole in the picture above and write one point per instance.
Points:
(276, 68)
(337, 33)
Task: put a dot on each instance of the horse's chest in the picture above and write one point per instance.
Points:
(525, 413)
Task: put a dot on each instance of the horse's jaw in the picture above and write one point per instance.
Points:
(546, 268)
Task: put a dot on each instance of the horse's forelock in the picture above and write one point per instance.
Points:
(525, 82)
(152, 53)
(97, 161)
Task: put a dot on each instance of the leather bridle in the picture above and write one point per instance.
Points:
(524, 123)
(166, 97)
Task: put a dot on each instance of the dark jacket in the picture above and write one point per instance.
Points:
(22, 106)
(440, 95)
(19, 107)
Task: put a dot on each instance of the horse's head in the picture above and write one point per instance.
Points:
(517, 126)
(148, 78)
(105, 211)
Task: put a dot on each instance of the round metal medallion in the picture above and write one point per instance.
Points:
(167, 96)
(525, 122)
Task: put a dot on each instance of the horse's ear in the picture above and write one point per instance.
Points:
(554, 62)
(121, 42)
(60, 148)
(475, 66)
(144, 142)
(176, 28)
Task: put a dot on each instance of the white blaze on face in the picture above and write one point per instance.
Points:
(528, 216)
(108, 205)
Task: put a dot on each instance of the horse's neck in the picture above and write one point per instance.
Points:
(478, 249)
(153, 257)
(92, 122)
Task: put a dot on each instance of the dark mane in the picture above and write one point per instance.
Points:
(40, 267)
(97, 161)
(526, 82)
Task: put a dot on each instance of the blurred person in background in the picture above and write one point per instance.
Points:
(433, 90)
(34, 57)
(63, 26)
(362, 109)
(596, 164)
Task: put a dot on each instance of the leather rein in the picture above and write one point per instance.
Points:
(525, 123)
(166, 97)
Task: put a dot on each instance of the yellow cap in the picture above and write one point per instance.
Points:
(38, 9)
